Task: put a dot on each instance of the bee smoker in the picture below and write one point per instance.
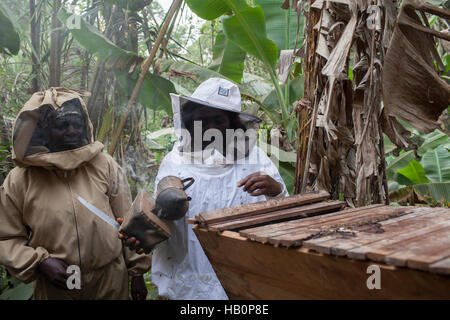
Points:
(147, 218)
(143, 224)
(172, 203)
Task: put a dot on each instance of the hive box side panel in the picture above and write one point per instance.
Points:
(251, 270)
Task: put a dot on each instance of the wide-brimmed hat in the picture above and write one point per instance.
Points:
(219, 94)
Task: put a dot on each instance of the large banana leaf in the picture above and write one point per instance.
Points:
(287, 172)
(278, 28)
(255, 86)
(432, 141)
(271, 103)
(9, 38)
(399, 163)
(92, 40)
(247, 28)
(228, 58)
(133, 5)
(155, 90)
(436, 163)
(435, 193)
(414, 173)
(388, 145)
(208, 9)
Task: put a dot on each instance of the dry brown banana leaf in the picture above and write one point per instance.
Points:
(412, 88)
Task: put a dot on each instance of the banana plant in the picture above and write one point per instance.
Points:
(9, 38)
(124, 64)
(426, 180)
(132, 5)
(245, 26)
(228, 58)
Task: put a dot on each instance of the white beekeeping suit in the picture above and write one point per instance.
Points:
(180, 267)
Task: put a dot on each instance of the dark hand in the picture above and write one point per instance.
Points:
(138, 288)
(131, 242)
(55, 270)
(260, 183)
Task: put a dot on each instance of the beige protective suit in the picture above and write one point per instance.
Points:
(41, 214)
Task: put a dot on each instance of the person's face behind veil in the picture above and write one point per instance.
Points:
(67, 132)
(211, 118)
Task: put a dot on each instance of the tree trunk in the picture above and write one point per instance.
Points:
(35, 35)
(97, 85)
(86, 58)
(55, 47)
(343, 151)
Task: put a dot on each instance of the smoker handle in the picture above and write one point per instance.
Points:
(191, 181)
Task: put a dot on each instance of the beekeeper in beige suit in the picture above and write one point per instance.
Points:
(58, 207)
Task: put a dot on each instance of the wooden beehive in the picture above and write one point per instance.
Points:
(305, 247)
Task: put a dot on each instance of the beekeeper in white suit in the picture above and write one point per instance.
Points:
(226, 174)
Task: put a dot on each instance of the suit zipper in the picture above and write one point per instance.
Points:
(75, 218)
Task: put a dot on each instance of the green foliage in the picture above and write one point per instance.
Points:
(436, 193)
(21, 291)
(287, 172)
(5, 164)
(425, 177)
(388, 145)
(5, 151)
(280, 28)
(414, 173)
(398, 163)
(151, 287)
(133, 5)
(247, 29)
(228, 58)
(436, 163)
(155, 90)
(270, 101)
(194, 73)
(92, 40)
(432, 140)
(12, 289)
(433, 194)
(9, 39)
(208, 10)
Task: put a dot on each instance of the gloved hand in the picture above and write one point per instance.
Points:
(55, 271)
(138, 288)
